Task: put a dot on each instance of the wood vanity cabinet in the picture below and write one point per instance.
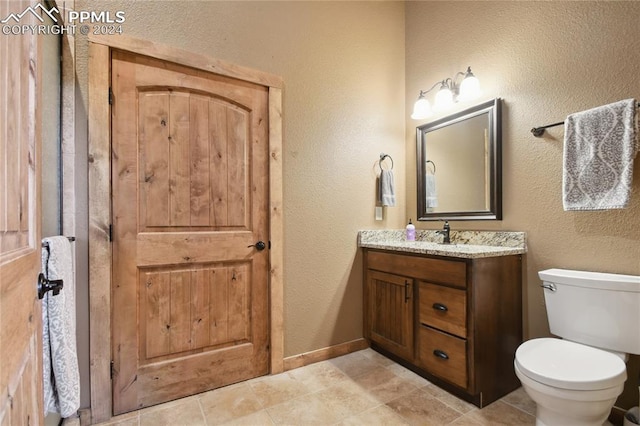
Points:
(455, 321)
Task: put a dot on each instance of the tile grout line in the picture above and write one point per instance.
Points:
(206, 422)
(517, 408)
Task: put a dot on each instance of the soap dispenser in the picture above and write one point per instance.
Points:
(411, 231)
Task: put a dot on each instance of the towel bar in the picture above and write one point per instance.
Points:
(72, 239)
(433, 164)
(382, 157)
(539, 131)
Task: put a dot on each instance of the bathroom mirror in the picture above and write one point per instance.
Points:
(459, 165)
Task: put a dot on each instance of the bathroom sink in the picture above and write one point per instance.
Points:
(466, 244)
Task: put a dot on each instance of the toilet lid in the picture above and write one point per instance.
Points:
(568, 365)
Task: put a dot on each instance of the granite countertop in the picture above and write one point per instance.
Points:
(464, 244)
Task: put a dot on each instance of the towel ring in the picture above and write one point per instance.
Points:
(433, 164)
(382, 157)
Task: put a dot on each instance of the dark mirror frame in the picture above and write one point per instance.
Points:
(493, 110)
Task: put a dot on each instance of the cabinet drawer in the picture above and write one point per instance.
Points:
(426, 268)
(444, 308)
(443, 355)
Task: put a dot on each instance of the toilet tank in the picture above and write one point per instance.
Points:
(597, 309)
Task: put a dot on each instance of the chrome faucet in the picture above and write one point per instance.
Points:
(445, 232)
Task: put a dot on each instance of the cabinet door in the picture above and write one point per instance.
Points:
(390, 312)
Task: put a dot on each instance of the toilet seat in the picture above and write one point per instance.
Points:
(568, 365)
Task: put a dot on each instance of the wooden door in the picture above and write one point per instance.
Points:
(390, 312)
(20, 310)
(190, 198)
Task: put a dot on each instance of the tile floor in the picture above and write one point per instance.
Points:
(361, 388)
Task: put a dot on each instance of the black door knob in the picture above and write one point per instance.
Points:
(45, 285)
(260, 245)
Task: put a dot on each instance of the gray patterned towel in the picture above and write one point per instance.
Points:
(61, 376)
(599, 147)
(387, 189)
(430, 190)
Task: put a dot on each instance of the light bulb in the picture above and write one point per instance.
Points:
(444, 99)
(470, 87)
(421, 109)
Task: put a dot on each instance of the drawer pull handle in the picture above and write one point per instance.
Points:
(440, 354)
(406, 291)
(440, 307)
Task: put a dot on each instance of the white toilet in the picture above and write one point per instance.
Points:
(576, 381)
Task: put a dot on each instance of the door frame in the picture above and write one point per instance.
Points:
(100, 256)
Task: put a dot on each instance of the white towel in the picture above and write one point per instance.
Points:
(387, 189)
(599, 147)
(430, 190)
(61, 376)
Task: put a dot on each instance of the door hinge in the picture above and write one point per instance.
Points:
(110, 96)
(111, 370)
(110, 233)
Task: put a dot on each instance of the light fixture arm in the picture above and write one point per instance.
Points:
(424, 92)
(449, 83)
(455, 87)
(449, 92)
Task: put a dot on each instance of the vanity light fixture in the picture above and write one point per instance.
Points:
(449, 93)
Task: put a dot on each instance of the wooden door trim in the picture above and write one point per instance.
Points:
(183, 57)
(99, 244)
(100, 202)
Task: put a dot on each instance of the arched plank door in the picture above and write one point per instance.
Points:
(190, 182)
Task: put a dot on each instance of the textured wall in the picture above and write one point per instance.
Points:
(546, 60)
(343, 69)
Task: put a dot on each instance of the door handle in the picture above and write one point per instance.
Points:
(406, 291)
(45, 285)
(260, 245)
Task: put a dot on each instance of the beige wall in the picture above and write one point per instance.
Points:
(546, 60)
(343, 69)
